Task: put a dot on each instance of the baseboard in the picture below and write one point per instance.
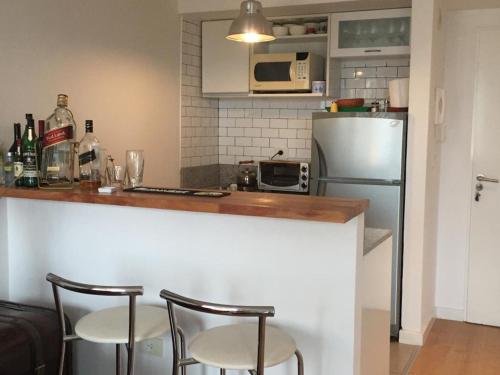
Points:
(449, 313)
(415, 337)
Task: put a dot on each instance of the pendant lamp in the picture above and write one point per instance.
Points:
(251, 26)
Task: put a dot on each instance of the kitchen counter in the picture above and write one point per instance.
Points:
(285, 206)
(374, 237)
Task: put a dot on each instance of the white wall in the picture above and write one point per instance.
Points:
(455, 195)
(119, 62)
(422, 171)
(4, 254)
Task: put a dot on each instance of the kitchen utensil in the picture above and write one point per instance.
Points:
(348, 103)
(399, 92)
(297, 29)
(311, 27)
(280, 30)
(134, 160)
(318, 87)
(247, 178)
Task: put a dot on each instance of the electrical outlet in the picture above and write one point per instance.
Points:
(153, 347)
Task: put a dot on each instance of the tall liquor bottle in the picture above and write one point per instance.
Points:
(17, 135)
(28, 150)
(39, 143)
(57, 154)
(18, 164)
(89, 158)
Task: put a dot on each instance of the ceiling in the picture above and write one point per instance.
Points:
(221, 9)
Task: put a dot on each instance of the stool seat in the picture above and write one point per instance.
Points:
(235, 346)
(111, 325)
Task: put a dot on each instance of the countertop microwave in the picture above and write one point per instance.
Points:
(283, 175)
(285, 72)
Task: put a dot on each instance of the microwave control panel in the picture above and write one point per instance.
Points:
(301, 70)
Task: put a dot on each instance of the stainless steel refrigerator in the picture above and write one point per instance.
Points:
(363, 155)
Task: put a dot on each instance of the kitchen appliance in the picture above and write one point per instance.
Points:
(247, 178)
(285, 71)
(363, 155)
(282, 175)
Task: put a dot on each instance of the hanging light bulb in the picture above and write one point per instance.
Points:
(251, 26)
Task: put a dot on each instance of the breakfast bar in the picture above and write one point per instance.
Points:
(303, 255)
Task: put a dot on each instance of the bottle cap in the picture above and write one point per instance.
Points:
(29, 116)
(89, 126)
(62, 100)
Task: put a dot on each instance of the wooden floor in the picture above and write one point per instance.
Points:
(457, 348)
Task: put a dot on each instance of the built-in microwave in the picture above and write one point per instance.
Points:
(285, 72)
(282, 175)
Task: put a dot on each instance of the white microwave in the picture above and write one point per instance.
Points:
(281, 72)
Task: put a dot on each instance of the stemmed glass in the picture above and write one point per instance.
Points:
(134, 161)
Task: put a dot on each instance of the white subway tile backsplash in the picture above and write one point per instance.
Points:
(403, 71)
(253, 132)
(260, 142)
(260, 123)
(227, 122)
(244, 122)
(278, 142)
(270, 113)
(365, 72)
(270, 133)
(288, 133)
(297, 124)
(252, 151)
(348, 73)
(243, 141)
(288, 113)
(234, 150)
(226, 159)
(296, 143)
(235, 132)
(235, 112)
(387, 72)
(358, 83)
(278, 123)
(253, 113)
(226, 141)
(376, 83)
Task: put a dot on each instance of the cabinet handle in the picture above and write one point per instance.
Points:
(372, 50)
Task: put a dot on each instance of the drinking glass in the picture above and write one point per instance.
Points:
(116, 175)
(134, 160)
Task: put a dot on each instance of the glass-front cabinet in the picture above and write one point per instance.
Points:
(373, 33)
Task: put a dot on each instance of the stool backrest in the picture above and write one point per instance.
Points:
(260, 312)
(101, 290)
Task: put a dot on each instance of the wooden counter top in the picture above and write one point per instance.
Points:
(286, 206)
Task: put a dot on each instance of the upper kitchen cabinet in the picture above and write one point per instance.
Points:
(225, 64)
(373, 33)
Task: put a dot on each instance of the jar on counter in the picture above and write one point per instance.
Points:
(8, 169)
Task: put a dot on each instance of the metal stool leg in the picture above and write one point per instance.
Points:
(183, 349)
(118, 360)
(222, 371)
(61, 360)
(300, 362)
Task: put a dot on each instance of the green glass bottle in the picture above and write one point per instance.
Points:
(28, 150)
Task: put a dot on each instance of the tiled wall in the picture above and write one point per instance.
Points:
(256, 128)
(369, 79)
(199, 122)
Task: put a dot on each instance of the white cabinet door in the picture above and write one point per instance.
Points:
(225, 64)
(373, 33)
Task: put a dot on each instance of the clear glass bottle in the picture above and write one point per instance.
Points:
(18, 164)
(89, 159)
(57, 169)
(8, 168)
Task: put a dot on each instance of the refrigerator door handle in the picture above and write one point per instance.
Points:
(358, 181)
(323, 169)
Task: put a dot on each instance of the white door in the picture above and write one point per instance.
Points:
(483, 300)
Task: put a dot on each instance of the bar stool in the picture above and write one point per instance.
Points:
(117, 325)
(246, 346)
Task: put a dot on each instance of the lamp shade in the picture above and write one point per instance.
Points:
(251, 26)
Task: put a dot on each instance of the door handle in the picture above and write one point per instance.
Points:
(483, 178)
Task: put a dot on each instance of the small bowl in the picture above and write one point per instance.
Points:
(297, 29)
(311, 27)
(280, 30)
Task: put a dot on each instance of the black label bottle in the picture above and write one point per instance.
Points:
(17, 135)
(89, 159)
(29, 156)
(58, 151)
